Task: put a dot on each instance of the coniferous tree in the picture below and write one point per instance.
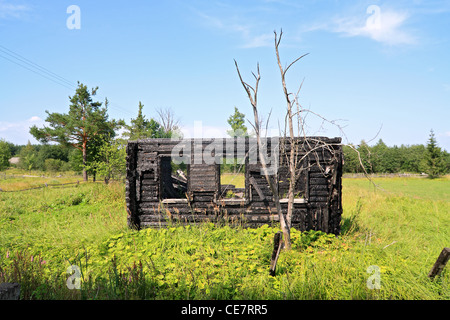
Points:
(141, 128)
(28, 157)
(238, 130)
(5, 154)
(237, 123)
(434, 160)
(85, 121)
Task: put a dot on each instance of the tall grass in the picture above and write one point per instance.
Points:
(401, 231)
(236, 179)
(61, 217)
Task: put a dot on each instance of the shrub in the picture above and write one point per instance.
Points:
(53, 165)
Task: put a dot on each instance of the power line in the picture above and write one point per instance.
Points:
(32, 64)
(36, 72)
(45, 73)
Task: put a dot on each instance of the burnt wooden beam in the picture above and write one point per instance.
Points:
(277, 244)
(440, 263)
(257, 188)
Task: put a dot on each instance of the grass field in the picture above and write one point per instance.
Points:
(238, 180)
(400, 229)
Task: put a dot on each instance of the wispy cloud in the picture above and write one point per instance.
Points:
(263, 40)
(226, 25)
(245, 30)
(9, 10)
(385, 26)
(18, 132)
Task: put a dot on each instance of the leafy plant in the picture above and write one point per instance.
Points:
(42, 233)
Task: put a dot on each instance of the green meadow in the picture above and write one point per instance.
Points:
(393, 230)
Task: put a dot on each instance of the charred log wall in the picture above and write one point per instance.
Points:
(151, 200)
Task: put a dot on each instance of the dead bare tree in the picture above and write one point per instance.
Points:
(252, 94)
(290, 103)
(293, 158)
(167, 119)
(293, 130)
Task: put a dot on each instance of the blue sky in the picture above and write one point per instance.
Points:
(379, 69)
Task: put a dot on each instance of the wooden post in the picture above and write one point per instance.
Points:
(9, 291)
(257, 188)
(277, 244)
(440, 263)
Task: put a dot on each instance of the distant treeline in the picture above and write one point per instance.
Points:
(47, 157)
(378, 158)
(381, 158)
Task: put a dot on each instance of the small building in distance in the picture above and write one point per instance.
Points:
(14, 161)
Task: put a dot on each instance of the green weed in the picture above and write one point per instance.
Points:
(44, 232)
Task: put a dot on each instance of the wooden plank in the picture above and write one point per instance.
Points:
(317, 175)
(296, 200)
(440, 263)
(318, 193)
(174, 201)
(178, 217)
(317, 199)
(254, 168)
(150, 200)
(318, 187)
(277, 244)
(148, 204)
(149, 187)
(206, 186)
(150, 182)
(232, 202)
(149, 195)
(316, 181)
(257, 188)
(202, 176)
(202, 198)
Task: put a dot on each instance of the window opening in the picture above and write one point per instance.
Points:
(173, 180)
(233, 179)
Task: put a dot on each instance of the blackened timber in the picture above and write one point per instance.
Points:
(440, 263)
(257, 188)
(276, 252)
(153, 196)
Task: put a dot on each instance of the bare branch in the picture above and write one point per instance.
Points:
(293, 62)
(379, 130)
(245, 85)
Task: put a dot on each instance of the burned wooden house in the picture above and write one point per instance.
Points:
(156, 194)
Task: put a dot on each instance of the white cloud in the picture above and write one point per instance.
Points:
(34, 119)
(382, 25)
(19, 132)
(264, 40)
(228, 25)
(243, 29)
(9, 10)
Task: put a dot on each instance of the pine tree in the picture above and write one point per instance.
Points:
(236, 121)
(238, 130)
(80, 127)
(141, 128)
(434, 160)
